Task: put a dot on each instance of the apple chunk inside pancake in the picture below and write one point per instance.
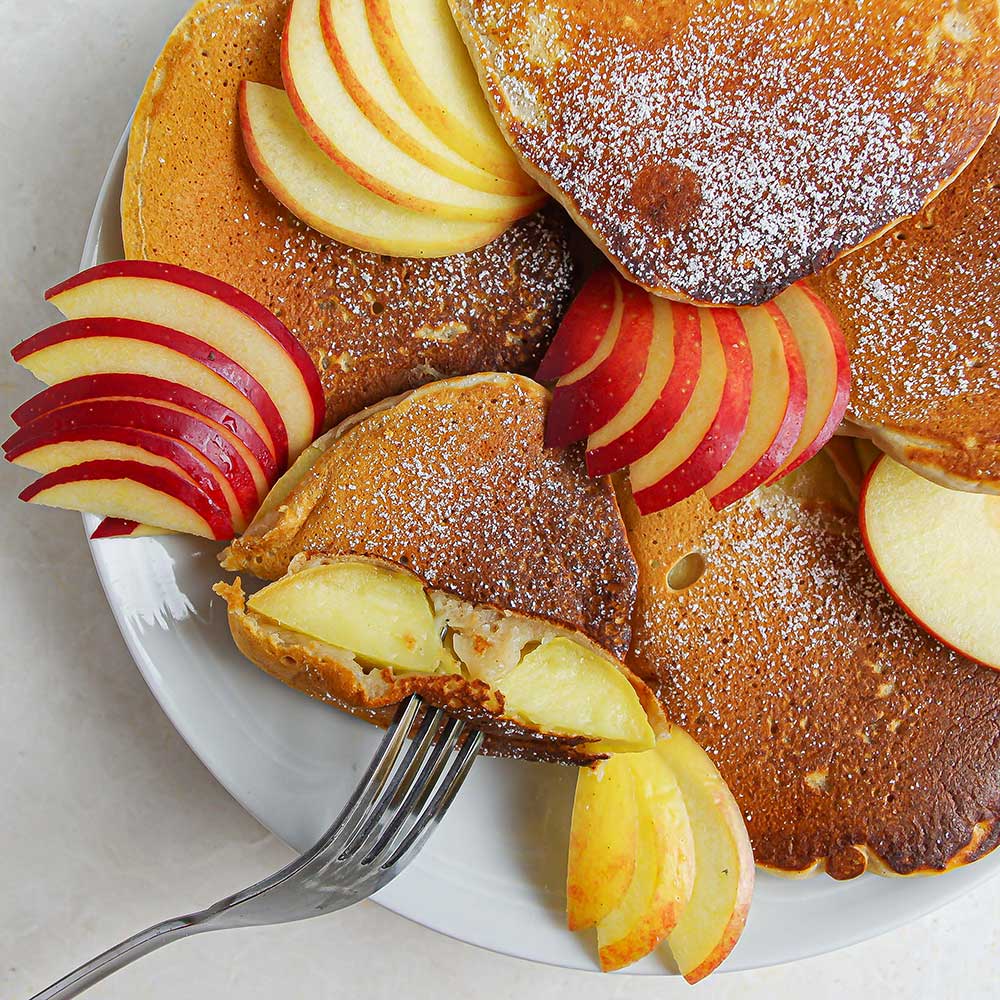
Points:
(563, 687)
(380, 614)
(938, 553)
(336, 617)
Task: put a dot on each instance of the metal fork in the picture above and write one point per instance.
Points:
(394, 809)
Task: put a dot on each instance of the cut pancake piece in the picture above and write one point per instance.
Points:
(364, 634)
(707, 433)
(341, 130)
(416, 483)
(830, 714)
(349, 41)
(307, 182)
(918, 309)
(782, 135)
(373, 325)
(135, 492)
(777, 407)
(426, 58)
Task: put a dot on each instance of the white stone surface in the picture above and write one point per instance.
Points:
(107, 820)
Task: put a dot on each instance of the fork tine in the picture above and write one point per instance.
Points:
(420, 789)
(433, 813)
(391, 791)
(378, 772)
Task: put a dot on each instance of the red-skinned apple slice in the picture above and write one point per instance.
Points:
(662, 396)
(213, 312)
(708, 432)
(590, 396)
(115, 346)
(777, 407)
(937, 552)
(45, 449)
(366, 78)
(252, 466)
(135, 492)
(117, 527)
(828, 371)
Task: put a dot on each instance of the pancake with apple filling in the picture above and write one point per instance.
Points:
(718, 151)
(919, 312)
(454, 483)
(363, 634)
(373, 325)
(851, 739)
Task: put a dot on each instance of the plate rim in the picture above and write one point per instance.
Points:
(949, 892)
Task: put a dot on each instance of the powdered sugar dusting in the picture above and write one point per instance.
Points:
(723, 150)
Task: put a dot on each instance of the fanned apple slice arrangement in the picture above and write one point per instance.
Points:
(382, 138)
(175, 402)
(659, 853)
(687, 398)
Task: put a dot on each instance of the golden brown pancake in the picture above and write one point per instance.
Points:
(719, 150)
(920, 310)
(454, 482)
(495, 637)
(374, 325)
(850, 738)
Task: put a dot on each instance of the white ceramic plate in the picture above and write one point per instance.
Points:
(493, 874)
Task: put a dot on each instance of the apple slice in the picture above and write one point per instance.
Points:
(937, 551)
(707, 433)
(583, 327)
(133, 491)
(117, 527)
(341, 130)
(124, 346)
(249, 455)
(664, 868)
(46, 452)
(603, 841)
(312, 187)
(216, 314)
(430, 65)
(352, 49)
(589, 397)
(827, 367)
(716, 913)
(663, 394)
(777, 407)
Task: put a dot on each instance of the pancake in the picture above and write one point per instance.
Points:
(851, 739)
(373, 325)
(919, 312)
(717, 150)
(487, 642)
(455, 483)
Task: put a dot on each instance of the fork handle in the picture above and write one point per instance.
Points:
(121, 955)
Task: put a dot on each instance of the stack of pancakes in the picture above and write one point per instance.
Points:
(716, 152)
(374, 325)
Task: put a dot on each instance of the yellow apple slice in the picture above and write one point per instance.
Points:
(349, 41)
(341, 130)
(426, 57)
(603, 841)
(380, 614)
(318, 192)
(563, 687)
(664, 868)
(938, 553)
(716, 913)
